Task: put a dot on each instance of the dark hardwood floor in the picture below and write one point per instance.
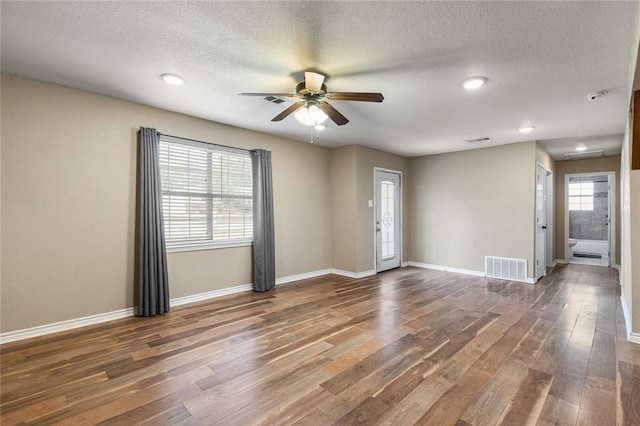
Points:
(409, 346)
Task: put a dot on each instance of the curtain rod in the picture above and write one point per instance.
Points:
(208, 143)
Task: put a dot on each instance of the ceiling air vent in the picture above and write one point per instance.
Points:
(274, 99)
(478, 140)
(584, 154)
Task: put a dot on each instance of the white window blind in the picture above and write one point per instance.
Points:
(206, 194)
(581, 195)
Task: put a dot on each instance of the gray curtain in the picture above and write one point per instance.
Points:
(151, 255)
(264, 253)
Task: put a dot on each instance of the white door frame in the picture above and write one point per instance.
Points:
(611, 177)
(551, 235)
(541, 259)
(375, 210)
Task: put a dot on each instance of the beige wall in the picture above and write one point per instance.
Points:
(543, 157)
(343, 206)
(352, 187)
(366, 160)
(563, 168)
(469, 204)
(68, 204)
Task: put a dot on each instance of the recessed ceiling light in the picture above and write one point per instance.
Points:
(526, 129)
(172, 79)
(581, 148)
(474, 82)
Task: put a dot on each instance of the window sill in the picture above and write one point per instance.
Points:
(209, 246)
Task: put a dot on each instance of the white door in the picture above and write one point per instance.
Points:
(541, 223)
(387, 207)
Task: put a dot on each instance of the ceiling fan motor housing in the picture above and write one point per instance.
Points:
(302, 88)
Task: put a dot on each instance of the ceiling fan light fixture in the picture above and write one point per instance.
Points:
(474, 82)
(319, 127)
(310, 115)
(172, 79)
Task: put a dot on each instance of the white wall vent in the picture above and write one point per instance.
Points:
(274, 99)
(505, 268)
(584, 154)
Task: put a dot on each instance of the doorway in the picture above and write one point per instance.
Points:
(388, 219)
(589, 228)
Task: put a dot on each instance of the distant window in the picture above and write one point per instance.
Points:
(206, 195)
(580, 196)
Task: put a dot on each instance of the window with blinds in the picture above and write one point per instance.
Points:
(206, 195)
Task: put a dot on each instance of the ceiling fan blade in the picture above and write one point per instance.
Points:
(313, 81)
(333, 113)
(355, 96)
(288, 111)
(284, 95)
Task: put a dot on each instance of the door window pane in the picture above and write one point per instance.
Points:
(387, 219)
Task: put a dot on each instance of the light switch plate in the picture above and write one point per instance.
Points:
(370, 203)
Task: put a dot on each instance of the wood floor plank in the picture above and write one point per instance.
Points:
(451, 405)
(294, 410)
(602, 361)
(257, 375)
(550, 354)
(347, 378)
(409, 410)
(314, 418)
(598, 403)
(557, 412)
(525, 407)
(490, 403)
(493, 358)
(408, 346)
(569, 379)
(628, 394)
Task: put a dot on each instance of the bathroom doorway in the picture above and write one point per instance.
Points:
(589, 225)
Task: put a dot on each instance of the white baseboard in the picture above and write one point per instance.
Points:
(631, 336)
(446, 269)
(306, 275)
(210, 295)
(475, 273)
(41, 330)
(356, 275)
(404, 264)
(560, 261)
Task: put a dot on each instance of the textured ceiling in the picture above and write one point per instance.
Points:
(541, 59)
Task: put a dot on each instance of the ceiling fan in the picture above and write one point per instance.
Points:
(313, 107)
